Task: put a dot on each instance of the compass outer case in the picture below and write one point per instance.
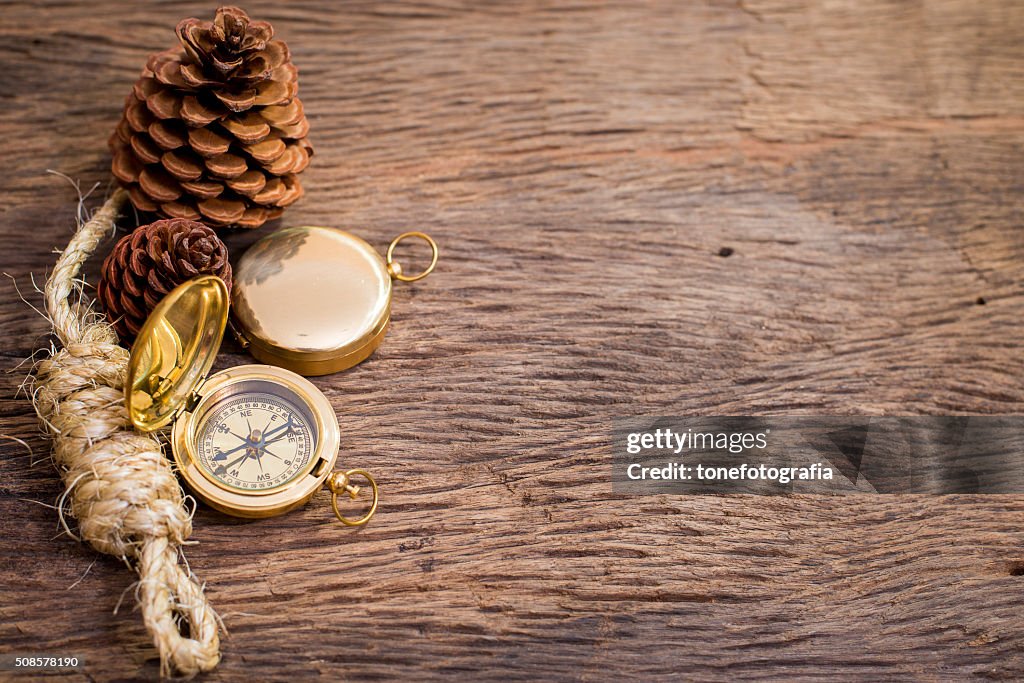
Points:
(168, 382)
(314, 300)
(300, 488)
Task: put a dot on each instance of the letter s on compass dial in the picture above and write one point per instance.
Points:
(255, 442)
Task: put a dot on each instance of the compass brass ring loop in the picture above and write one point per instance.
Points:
(395, 269)
(339, 483)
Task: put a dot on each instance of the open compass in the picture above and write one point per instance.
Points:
(251, 441)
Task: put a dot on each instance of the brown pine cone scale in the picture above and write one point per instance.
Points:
(151, 261)
(214, 130)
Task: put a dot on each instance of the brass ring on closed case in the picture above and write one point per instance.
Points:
(395, 269)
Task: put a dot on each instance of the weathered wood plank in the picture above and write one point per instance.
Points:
(582, 167)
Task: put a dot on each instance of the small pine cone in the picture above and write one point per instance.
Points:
(213, 130)
(151, 261)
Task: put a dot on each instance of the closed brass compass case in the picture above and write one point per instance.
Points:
(315, 300)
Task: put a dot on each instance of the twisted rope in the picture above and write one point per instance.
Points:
(121, 489)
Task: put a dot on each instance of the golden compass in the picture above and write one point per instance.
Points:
(251, 441)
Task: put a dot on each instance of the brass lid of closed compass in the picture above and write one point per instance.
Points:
(316, 300)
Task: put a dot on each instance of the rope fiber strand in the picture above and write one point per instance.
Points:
(120, 488)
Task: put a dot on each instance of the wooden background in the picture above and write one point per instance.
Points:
(585, 167)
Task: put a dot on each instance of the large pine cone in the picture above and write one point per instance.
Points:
(213, 130)
(151, 261)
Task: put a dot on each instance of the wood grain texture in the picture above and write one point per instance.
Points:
(582, 165)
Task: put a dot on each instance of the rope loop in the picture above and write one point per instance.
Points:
(119, 486)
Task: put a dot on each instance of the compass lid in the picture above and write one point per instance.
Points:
(175, 350)
(314, 300)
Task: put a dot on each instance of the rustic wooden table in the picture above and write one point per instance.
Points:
(660, 208)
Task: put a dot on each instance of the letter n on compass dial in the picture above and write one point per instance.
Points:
(255, 442)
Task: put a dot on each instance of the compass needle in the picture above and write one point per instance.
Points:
(221, 455)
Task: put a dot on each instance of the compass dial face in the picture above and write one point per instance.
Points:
(255, 441)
